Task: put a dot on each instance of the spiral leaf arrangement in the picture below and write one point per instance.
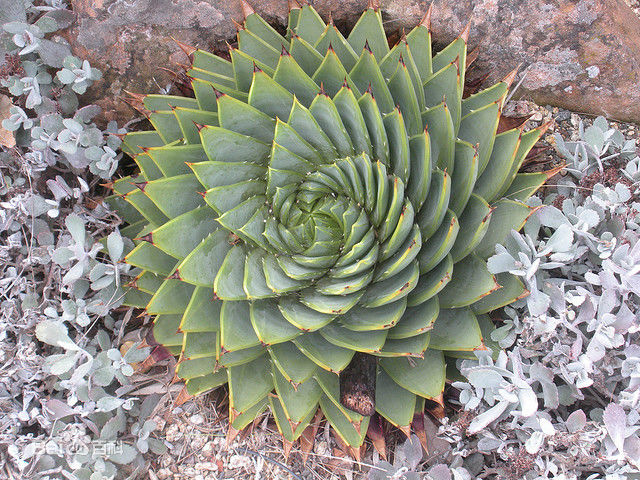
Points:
(322, 196)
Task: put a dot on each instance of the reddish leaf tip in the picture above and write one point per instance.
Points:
(140, 185)
(136, 96)
(187, 49)
(511, 76)
(246, 8)
(238, 26)
(217, 92)
(369, 90)
(426, 20)
(146, 238)
(464, 35)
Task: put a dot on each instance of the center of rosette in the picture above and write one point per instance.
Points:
(339, 225)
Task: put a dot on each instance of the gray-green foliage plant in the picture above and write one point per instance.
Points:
(45, 114)
(596, 146)
(99, 412)
(573, 342)
(86, 405)
(79, 254)
(64, 390)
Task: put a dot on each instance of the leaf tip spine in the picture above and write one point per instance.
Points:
(247, 9)
(426, 20)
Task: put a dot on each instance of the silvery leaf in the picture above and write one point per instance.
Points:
(142, 445)
(546, 426)
(439, 472)
(576, 421)
(538, 302)
(615, 421)
(104, 376)
(489, 443)
(113, 426)
(551, 217)
(62, 255)
(510, 397)
(53, 53)
(102, 282)
(64, 18)
(157, 446)
(54, 333)
(601, 123)
(589, 217)
(533, 444)
(75, 225)
(63, 364)
(66, 76)
(485, 418)
(74, 274)
(115, 245)
(561, 146)
(562, 239)
(528, 401)
(594, 137)
(126, 456)
(482, 377)
(12, 11)
(502, 262)
(57, 408)
(108, 403)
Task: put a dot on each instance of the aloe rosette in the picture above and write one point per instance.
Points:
(322, 196)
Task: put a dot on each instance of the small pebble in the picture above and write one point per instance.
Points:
(173, 433)
(164, 473)
(239, 461)
(575, 119)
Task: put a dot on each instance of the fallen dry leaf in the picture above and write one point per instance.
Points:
(6, 137)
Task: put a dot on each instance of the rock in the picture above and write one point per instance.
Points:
(537, 117)
(563, 115)
(581, 55)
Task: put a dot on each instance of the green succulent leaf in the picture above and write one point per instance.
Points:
(249, 383)
(394, 402)
(420, 376)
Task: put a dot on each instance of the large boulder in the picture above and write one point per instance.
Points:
(581, 55)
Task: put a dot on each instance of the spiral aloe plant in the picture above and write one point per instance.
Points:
(322, 196)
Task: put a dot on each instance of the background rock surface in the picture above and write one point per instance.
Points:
(582, 55)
